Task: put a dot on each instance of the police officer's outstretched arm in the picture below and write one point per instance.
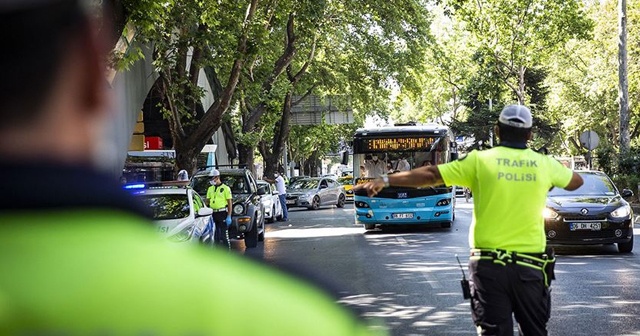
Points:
(575, 183)
(418, 177)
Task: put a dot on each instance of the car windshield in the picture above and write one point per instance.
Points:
(305, 184)
(173, 206)
(594, 185)
(345, 180)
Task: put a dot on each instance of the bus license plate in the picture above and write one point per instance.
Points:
(584, 226)
(402, 215)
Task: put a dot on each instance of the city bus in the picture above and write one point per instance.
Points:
(395, 146)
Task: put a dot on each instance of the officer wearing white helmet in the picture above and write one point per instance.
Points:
(219, 199)
(511, 268)
(82, 258)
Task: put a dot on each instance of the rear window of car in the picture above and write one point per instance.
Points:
(167, 206)
(594, 185)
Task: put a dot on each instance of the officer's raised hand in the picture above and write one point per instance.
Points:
(372, 187)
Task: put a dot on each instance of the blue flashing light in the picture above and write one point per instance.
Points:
(135, 186)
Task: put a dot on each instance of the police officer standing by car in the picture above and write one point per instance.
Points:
(511, 268)
(83, 258)
(219, 199)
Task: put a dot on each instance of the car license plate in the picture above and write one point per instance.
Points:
(585, 226)
(291, 202)
(402, 215)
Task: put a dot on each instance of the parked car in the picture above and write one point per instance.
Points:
(595, 213)
(315, 192)
(248, 211)
(347, 184)
(178, 211)
(270, 201)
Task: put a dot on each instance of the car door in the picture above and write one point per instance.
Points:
(324, 191)
(334, 191)
(201, 222)
(276, 200)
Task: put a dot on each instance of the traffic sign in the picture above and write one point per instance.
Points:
(589, 139)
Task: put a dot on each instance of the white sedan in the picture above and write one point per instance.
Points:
(179, 212)
(271, 201)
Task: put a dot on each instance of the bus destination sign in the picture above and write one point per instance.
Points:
(397, 144)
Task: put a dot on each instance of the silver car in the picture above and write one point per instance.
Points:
(271, 201)
(315, 192)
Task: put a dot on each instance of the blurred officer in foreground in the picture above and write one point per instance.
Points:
(510, 267)
(76, 255)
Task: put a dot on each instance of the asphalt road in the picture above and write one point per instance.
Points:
(409, 279)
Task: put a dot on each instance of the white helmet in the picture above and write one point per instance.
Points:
(183, 175)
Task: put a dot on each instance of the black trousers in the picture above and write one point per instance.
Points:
(221, 234)
(499, 292)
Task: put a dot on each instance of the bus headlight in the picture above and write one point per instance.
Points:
(360, 204)
(444, 201)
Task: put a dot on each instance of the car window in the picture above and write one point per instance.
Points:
(594, 185)
(173, 206)
(251, 186)
(201, 184)
(323, 183)
(237, 183)
(305, 184)
(197, 202)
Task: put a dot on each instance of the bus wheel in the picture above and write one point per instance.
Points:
(369, 226)
(446, 225)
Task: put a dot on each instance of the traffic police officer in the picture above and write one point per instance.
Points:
(79, 257)
(220, 200)
(510, 266)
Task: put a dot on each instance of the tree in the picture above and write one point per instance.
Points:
(351, 49)
(189, 36)
(519, 35)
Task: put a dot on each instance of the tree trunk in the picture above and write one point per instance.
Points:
(623, 85)
(246, 156)
(186, 158)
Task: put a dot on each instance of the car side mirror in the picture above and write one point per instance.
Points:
(626, 193)
(204, 212)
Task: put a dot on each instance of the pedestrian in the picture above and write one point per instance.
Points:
(282, 194)
(80, 257)
(220, 200)
(511, 268)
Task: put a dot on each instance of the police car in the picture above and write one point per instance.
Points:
(178, 211)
